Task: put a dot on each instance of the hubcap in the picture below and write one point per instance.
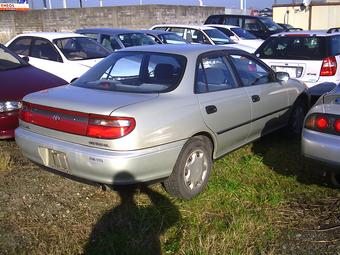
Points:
(195, 169)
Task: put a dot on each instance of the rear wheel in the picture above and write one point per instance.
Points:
(192, 169)
(297, 117)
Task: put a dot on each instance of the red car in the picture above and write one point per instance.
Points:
(18, 78)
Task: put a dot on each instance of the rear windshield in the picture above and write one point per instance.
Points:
(135, 39)
(80, 48)
(135, 72)
(293, 47)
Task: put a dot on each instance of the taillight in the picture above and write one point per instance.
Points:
(329, 66)
(105, 127)
(321, 122)
(25, 112)
(337, 125)
(325, 123)
(78, 123)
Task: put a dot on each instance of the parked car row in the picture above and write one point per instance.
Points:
(165, 112)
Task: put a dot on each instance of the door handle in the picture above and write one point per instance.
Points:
(255, 98)
(211, 109)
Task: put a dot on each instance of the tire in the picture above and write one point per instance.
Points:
(334, 179)
(192, 169)
(297, 117)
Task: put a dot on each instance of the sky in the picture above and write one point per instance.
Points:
(258, 4)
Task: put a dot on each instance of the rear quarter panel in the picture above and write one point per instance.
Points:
(166, 119)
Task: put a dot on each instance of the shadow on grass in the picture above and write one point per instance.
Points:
(131, 228)
(283, 155)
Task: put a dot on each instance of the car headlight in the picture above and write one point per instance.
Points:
(9, 106)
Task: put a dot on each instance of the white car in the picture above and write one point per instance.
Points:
(239, 35)
(310, 56)
(67, 55)
(203, 35)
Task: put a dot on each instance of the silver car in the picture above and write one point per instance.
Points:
(161, 112)
(321, 133)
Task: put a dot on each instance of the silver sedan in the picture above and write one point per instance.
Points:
(321, 133)
(160, 112)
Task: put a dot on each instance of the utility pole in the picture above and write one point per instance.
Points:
(80, 3)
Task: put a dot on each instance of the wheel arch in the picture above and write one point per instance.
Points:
(211, 139)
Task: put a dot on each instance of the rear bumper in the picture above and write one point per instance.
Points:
(8, 123)
(102, 166)
(321, 147)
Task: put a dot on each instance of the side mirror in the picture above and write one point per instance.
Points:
(26, 58)
(282, 76)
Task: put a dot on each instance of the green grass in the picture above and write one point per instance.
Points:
(242, 211)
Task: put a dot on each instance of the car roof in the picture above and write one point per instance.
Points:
(238, 15)
(220, 25)
(184, 26)
(181, 49)
(110, 31)
(52, 35)
(307, 33)
(156, 32)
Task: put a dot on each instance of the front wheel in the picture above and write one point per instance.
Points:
(192, 169)
(297, 117)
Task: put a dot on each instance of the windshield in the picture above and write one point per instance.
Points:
(270, 24)
(218, 37)
(80, 48)
(9, 61)
(172, 38)
(243, 34)
(135, 72)
(293, 47)
(135, 39)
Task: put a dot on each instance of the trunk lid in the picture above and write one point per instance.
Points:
(85, 100)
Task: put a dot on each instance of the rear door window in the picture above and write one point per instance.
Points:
(196, 36)
(214, 74)
(213, 20)
(235, 21)
(178, 30)
(43, 49)
(21, 46)
(293, 47)
(109, 42)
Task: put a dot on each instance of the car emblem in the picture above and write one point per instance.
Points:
(56, 117)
